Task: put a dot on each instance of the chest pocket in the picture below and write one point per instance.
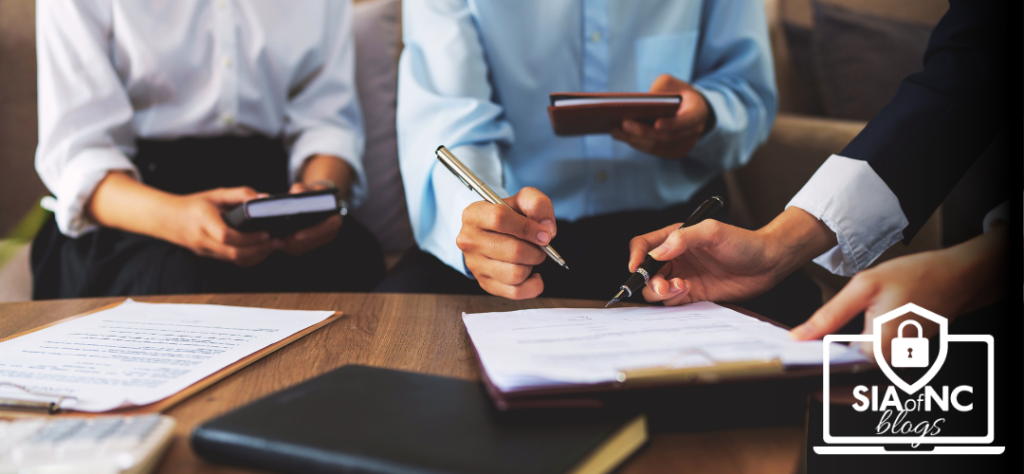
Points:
(672, 54)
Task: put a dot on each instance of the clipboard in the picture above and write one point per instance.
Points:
(166, 403)
(654, 378)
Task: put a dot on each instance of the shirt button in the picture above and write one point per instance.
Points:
(602, 176)
(220, 5)
(227, 119)
(227, 62)
(595, 37)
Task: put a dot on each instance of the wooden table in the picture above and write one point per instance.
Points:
(421, 333)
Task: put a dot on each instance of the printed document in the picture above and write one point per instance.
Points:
(549, 347)
(139, 353)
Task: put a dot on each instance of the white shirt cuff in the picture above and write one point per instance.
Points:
(332, 141)
(1000, 214)
(852, 200)
(78, 181)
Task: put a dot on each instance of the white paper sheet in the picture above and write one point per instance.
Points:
(549, 347)
(617, 100)
(140, 353)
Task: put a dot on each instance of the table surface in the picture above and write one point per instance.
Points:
(419, 333)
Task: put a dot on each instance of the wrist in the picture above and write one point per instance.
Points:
(709, 119)
(120, 202)
(324, 169)
(794, 238)
(321, 184)
(169, 213)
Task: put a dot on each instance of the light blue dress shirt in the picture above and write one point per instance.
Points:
(475, 76)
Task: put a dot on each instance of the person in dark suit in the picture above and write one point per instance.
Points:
(880, 190)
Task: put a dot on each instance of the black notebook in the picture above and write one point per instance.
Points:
(283, 214)
(371, 420)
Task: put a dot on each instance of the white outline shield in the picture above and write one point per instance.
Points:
(884, 364)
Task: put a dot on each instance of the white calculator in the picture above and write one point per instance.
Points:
(103, 444)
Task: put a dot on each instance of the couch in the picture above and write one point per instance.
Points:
(798, 144)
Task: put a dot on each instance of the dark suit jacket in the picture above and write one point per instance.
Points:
(944, 117)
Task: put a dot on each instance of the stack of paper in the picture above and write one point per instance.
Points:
(550, 347)
(139, 353)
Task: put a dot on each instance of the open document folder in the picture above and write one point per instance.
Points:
(538, 349)
(138, 354)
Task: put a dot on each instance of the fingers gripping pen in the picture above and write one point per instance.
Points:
(473, 182)
(650, 267)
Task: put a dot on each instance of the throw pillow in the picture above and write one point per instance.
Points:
(377, 36)
(860, 59)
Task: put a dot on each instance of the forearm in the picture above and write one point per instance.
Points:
(327, 168)
(794, 238)
(733, 71)
(121, 202)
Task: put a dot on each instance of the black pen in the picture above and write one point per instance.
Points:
(651, 266)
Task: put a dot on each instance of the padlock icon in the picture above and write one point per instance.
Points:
(910, 352)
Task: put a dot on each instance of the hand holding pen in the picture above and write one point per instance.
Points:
(502, 239)
(714, 261)
(645, 274)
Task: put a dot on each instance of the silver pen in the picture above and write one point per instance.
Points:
(476, 184)
(49, 407)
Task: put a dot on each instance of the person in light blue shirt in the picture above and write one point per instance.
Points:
(476, 76)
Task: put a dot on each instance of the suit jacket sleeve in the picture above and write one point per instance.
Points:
(944, 117)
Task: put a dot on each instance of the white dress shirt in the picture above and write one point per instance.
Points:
(111, 71)
(852, 200)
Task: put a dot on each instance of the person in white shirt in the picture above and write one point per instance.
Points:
(154, 119)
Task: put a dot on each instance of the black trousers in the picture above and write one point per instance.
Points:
(597, 251)
(110, 262)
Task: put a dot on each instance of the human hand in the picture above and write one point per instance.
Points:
(948, 282)
(712, 261)
(199, 227)
(670, 137)
(500, 245)
(316, 235)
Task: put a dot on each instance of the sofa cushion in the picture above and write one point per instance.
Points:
(377, 33)
(20, 187)
(15, 271)
(807, 95)
(860, 59)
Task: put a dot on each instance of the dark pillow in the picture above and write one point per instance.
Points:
(808, 97)
(377, 32)
(860, 60)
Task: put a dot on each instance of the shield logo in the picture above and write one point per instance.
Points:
(935, 365)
